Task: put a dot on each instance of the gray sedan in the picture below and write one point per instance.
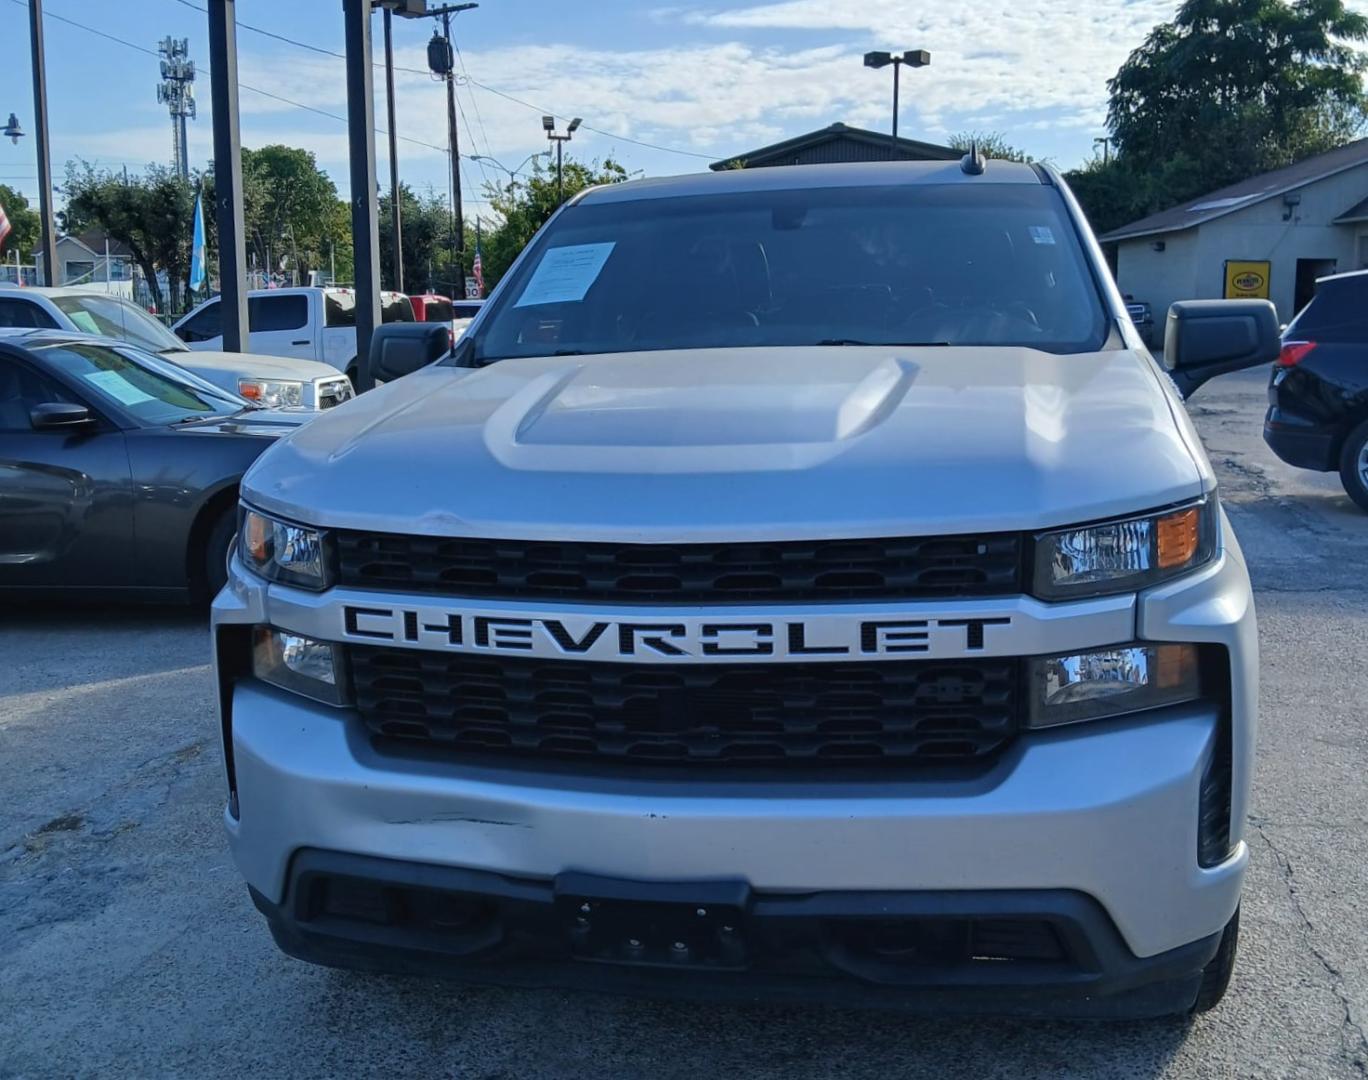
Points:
(118, 471)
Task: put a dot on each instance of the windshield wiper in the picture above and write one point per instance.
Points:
(899, 344)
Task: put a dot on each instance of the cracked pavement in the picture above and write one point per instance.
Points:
(128, 946)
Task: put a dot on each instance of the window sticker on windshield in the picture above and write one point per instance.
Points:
(117, 387)
(1041, 234)
(84, 320)
(565, 274)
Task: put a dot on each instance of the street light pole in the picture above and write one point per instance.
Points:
(912, 58)
(40, 136)
(512, 173)
(549, 125)
(365, 229)
(396, 225)
(228, 213)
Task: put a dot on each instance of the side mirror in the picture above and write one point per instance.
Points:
(52, 415)
(398, 349)
(1206, 338)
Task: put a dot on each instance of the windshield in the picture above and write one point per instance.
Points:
(956, 264)
(137, 383)
(118, 318)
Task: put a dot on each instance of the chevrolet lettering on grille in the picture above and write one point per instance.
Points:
(665, 638)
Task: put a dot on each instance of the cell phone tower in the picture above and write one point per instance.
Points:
(177, 92)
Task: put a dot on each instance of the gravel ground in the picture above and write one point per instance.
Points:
(128, 946)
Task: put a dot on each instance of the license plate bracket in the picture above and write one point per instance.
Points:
(655, 924)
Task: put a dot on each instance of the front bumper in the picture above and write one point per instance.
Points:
(1022, 952)
(1103, 812)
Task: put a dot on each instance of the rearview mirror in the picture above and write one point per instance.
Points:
(398, 349)
(59, 414)
(1206, 338)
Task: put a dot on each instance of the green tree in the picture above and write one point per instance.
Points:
(523, 206)
(153, 214)
(991, 144)
(426, 225)
(24, 225)
(1228, 89)
(289, 208)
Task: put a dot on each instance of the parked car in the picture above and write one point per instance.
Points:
(432, 308)
(305, 322)
(119, 470)
(1142, 317)
(1318, 390)
(463, 313)
(273, 381)
(875, 637)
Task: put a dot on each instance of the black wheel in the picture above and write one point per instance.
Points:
(1216, 975)
(1353, 466)
(216, 553)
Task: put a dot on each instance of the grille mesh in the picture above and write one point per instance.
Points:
(886, 713)
(906, 568)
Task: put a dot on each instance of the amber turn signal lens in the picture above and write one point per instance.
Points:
(1178, 536)
(256, 537)
(1174, 665)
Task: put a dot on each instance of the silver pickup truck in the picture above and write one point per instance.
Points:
(797, 583)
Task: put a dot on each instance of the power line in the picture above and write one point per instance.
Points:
(48, 14)
(473, 82)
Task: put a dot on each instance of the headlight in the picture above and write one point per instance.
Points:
(273, 393)
(279, 551)
(298, 664)
(1123, 556)
(1111, 682)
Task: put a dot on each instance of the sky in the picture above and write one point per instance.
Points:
(697, 81)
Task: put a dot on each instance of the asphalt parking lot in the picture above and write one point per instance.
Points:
(128, 946)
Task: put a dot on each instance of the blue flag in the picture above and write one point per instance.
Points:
(197, 248)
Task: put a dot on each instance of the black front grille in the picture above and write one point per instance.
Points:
(908, 568)
(895, 712)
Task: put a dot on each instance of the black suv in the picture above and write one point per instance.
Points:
(1318, 396)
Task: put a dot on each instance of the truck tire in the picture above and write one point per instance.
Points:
(1216, 975)
(216, 553)
(1353, 465)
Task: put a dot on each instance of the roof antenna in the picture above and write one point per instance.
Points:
(973, 162)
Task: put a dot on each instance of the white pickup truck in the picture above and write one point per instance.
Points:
(308, 322)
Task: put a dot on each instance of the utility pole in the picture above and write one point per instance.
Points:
(1105, 142)
(177, 92)
(396, 225)
(442, 63)
(232, 250)
(40, 138)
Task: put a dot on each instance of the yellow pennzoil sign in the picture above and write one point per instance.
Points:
(1246, 280)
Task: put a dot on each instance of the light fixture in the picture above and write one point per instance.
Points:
(13, 130)
(548, 123)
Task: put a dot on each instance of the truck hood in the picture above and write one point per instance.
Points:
(211, 364)
(765, 443)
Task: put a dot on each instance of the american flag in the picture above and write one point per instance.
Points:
(5, 228)
(477, 267)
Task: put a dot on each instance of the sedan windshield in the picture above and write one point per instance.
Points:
(114, 317)
(138, 384)
(953, 264)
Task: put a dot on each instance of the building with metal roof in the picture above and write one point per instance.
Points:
(1270, 235)
(837, 143)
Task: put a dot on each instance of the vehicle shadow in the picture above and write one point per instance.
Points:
(596, 1035)
(49, 646)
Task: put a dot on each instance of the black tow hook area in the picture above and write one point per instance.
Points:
(654, 924)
